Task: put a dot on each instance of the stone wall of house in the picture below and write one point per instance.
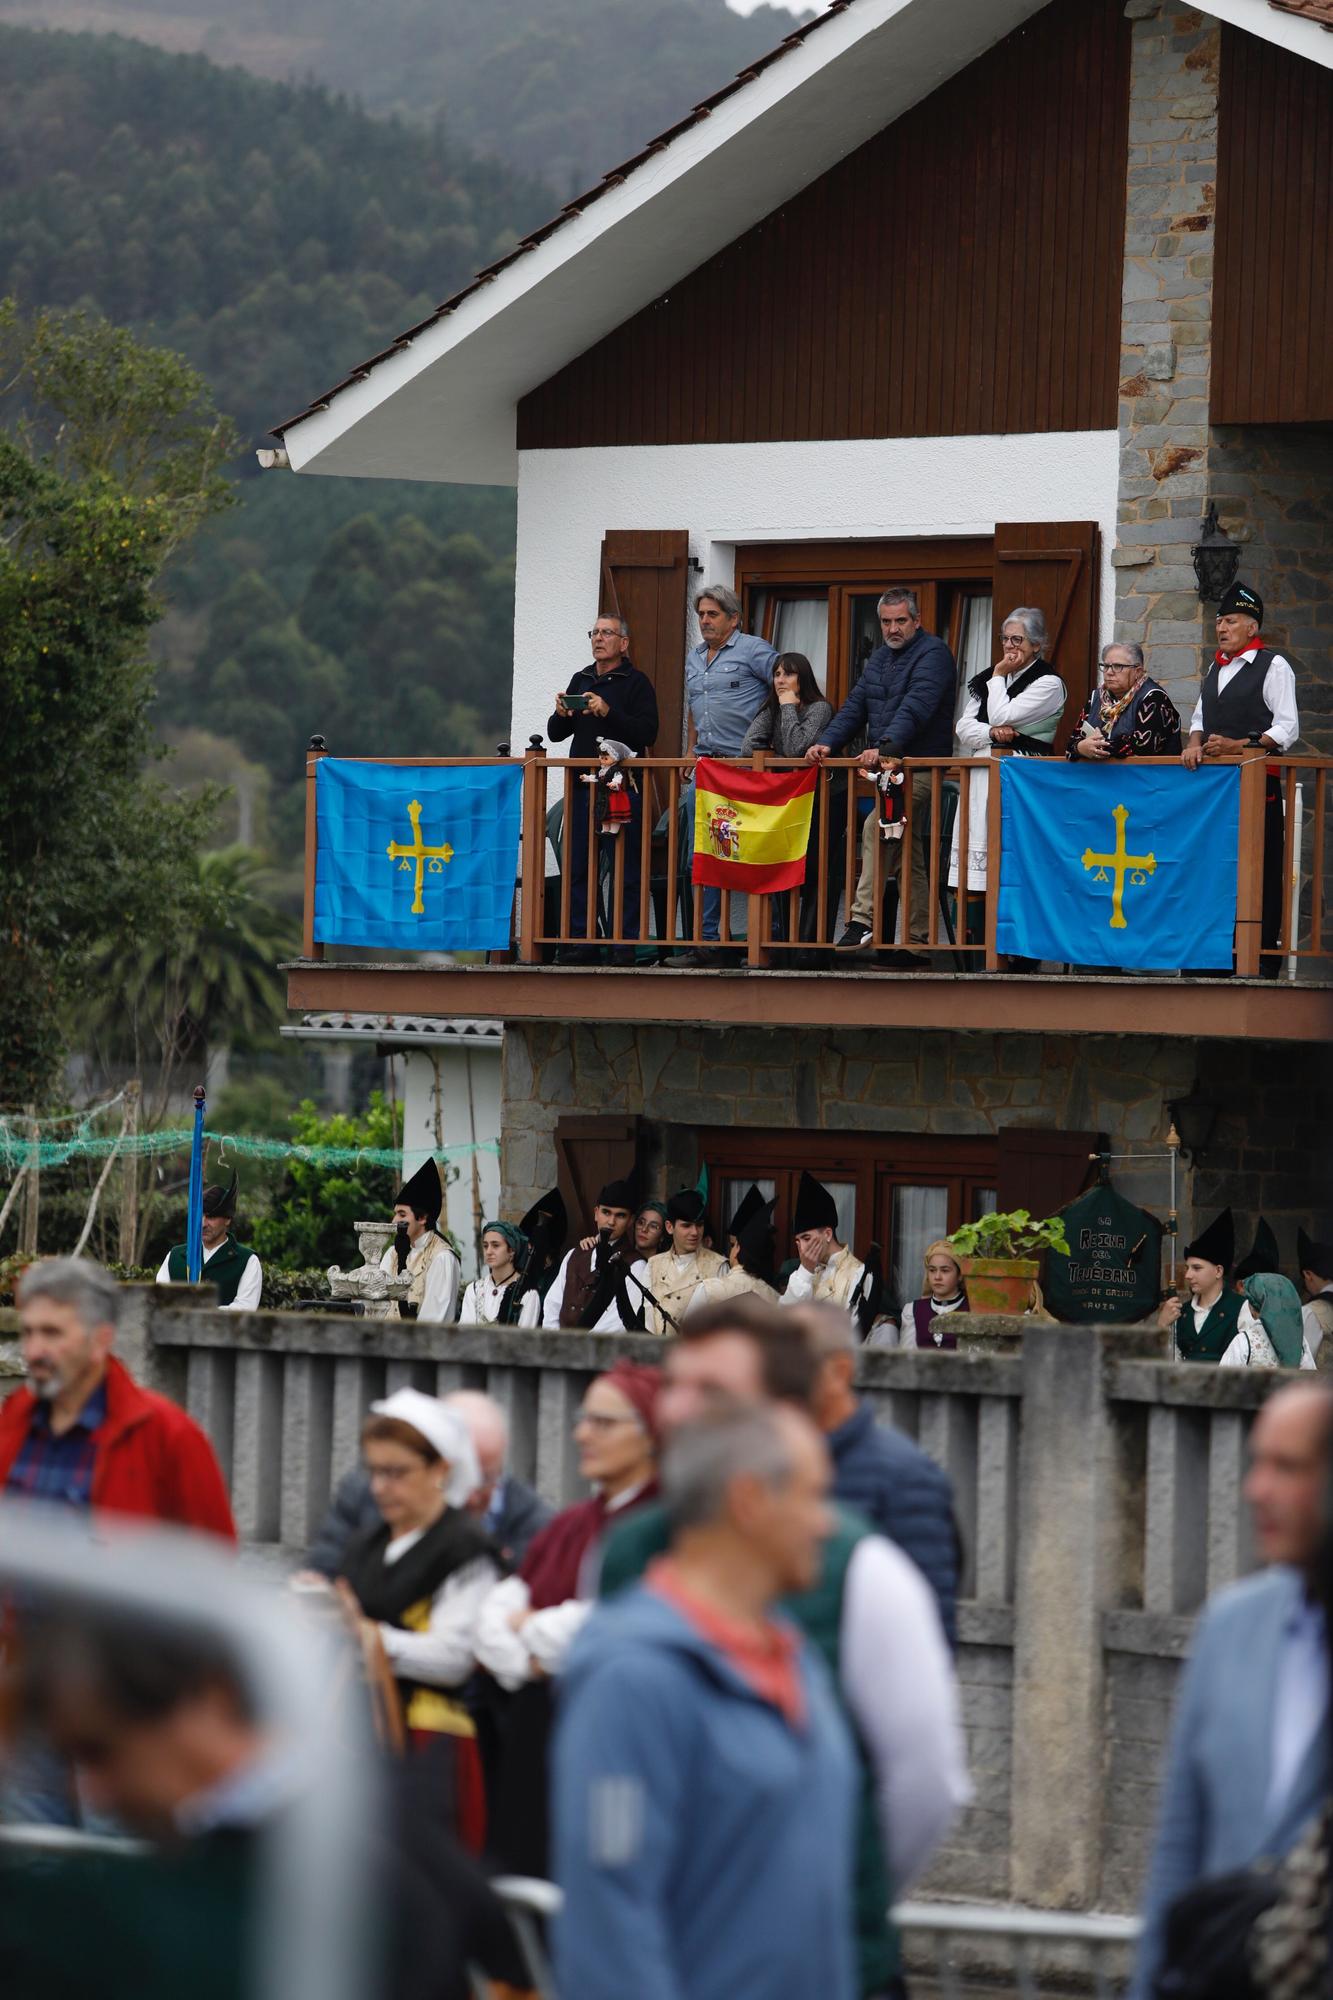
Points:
(1269, 1151)
(1166, 336)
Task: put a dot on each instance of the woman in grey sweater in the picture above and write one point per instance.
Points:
(794, 716)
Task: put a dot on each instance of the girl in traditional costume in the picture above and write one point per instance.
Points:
(499, 1296)
(926, 1321)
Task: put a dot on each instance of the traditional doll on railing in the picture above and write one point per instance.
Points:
(616, 785)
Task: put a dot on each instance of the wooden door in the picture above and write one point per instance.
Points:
(644, 579)
(1054, 565)
(590, 1152)
(1043, 1170)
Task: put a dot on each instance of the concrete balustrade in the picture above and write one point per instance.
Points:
(1098, 1495)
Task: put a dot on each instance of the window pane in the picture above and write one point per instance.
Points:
(801, 626)
(920, 1217)
(759, 603)
(844, 1194)
(731, 1195)
(983, 1203)
(974, 642)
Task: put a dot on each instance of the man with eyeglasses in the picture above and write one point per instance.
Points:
(612, 699)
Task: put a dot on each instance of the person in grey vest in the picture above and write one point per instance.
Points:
(233, 1267)
(1246, 706)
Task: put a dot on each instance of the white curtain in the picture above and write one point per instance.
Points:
(732, 1195)
(920, 1217)
(801, 626)
(974, 644)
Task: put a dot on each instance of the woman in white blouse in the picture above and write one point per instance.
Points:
(419, 1580)
(498, 1295)
(1017, 706)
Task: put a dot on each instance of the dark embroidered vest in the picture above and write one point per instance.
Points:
(979, 685)
(925, 1320)
(225, 1268)
(1216, 1334)
(1238, 709)
(592, 1279)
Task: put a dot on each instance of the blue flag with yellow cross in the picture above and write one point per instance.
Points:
(1124, 864)
(419, 857)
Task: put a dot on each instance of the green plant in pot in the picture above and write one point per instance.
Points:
(1000, 1256)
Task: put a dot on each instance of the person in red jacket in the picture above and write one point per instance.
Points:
(83, 1433)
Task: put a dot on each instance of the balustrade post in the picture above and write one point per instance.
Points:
(1068, 1510)
(757, 908)
(316, 750)
(1250, 867)
(532, 860)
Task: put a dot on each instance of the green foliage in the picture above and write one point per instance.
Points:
(317, 1208)
(1014, 1235)
(88, 517)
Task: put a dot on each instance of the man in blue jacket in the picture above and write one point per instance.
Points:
(904, 704)
(1248, 1765)
(882, 1474)
(704, 1779)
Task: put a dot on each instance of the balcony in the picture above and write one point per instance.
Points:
(760, 973)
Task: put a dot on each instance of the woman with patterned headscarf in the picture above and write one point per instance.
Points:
(1269, 1333)
(498, 1296)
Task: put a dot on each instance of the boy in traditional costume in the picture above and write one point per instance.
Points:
(828, 1269)
(675, 1274)
(233, 1267)
(1205, 1328)
(419, 1250)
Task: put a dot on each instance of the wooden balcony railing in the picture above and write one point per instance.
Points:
(665, 915)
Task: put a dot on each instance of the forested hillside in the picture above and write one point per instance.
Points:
(275, 236)
(560, 88)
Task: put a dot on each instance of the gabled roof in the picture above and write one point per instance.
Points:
(440, 403)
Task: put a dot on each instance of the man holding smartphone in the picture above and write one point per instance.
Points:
(609, 698)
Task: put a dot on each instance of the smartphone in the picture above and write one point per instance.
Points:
(577, 704)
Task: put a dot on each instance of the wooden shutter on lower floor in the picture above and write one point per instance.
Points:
(645, 578)
(589, 1152)
(1043, 1170)
(1055, 566)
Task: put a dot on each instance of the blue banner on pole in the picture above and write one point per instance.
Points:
(1121, 864)
(194, 1207)
(417, 857)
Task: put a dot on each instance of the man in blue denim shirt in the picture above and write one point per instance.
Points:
(728, 678)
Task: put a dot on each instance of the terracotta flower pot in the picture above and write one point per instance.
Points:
(998, 1284)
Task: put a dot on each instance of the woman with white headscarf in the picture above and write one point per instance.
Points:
(419, 1579)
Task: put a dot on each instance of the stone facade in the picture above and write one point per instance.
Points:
(1166, 337)
(1269, 1153)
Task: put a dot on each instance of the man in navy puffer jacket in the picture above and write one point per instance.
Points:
(904, 702)
(878, 1471)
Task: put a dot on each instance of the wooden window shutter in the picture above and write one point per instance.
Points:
(645, 577)
(1054, 565)
(589, 1152)
(1042, 1171)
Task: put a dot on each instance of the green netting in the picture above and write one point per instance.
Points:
(19, 1149)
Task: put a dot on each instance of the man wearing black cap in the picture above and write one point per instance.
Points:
(1316, 1260)
(233, 1267)
(593, 1288)
(676, 1273)
(419, 1250)
(1247, 705)
(828, 1269)
(1205, 1328)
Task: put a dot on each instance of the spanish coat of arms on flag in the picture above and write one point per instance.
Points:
(751, 828)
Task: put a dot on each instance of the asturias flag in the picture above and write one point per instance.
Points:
(751, 828)
(1118, 863)
(421, 857)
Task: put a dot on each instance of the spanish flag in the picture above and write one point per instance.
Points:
(751, 828)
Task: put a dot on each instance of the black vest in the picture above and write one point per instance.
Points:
(1238, 710)
(979, 685)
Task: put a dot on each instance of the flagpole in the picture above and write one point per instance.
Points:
(194, 1224)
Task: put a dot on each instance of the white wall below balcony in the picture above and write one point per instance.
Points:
(870, 489)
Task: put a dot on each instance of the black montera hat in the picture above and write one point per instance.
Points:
(221, 1200)
(1314, 1256)
(1241, 597)
(617, 1194)
(423, 1193)
(686, 1205)
(754, 1240)
(1264, 1253)
(1217, 1243)
(815, 1206)
(752, 1203)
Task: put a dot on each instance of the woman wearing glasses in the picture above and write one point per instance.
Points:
(528, 1622)
(1017, 706)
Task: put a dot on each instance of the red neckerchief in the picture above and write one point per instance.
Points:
(1250, 646)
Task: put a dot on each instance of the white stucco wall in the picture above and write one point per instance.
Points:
(453, 1099)
(870, 489)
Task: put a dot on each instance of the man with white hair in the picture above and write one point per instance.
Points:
(511, 1512)
(1129, 715)
(83, 1433)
